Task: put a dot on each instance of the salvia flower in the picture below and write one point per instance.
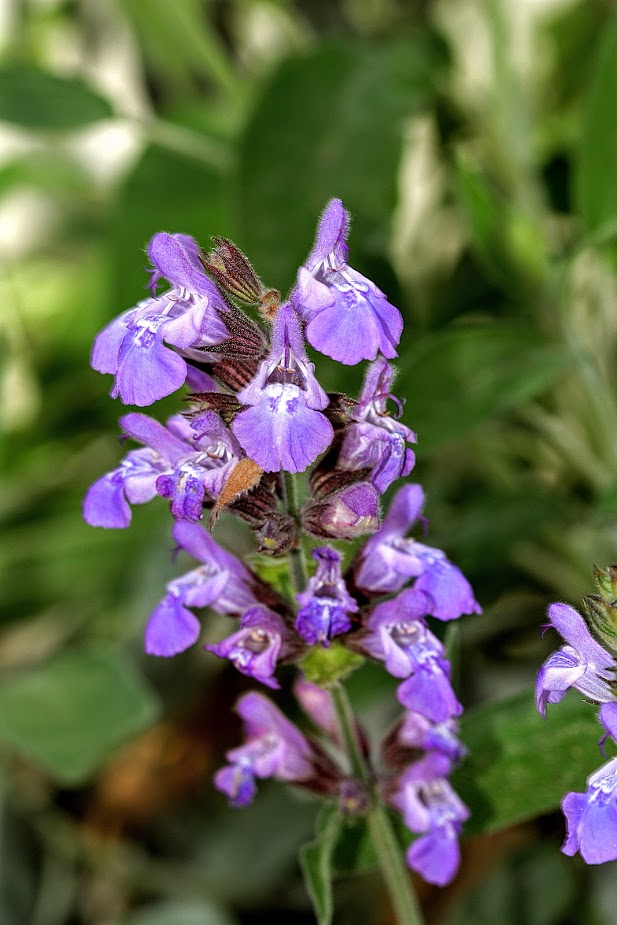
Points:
(283, 427)
(389, 560)
(221, 582)
(348, 318)
(582, 663)
(375, 439)
(430, 807)
(133, 348)
(326, 604)
(255, 649)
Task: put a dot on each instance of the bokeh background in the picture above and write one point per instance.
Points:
(475, 143)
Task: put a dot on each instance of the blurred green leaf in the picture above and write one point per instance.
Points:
(460, 377)
(329, 124)
(316, 862)
(165, 192)
(520, 765)
(595, 179)
(69, 714)
(38, 100)
(179, 912)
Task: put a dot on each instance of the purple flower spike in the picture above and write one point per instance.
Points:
(591, 817)
(348, 318)
(283, 428)
(389, 560)
(274, 748)
(582, 663)
(326, 603)
(377, 441)
(254, 650)
(429, 805)
(133, 347)
(221, 582)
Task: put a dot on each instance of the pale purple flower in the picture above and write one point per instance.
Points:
(255, 649)
(388, 560)
(430, 807)
(325, 605)
(417, 732)
(284, 429)
(185, 465)
(582, 663)
(317, 703)
(133, 346)
(375, 439)
(347, 317)
(591, 817)
(221, 582)
(274, 748)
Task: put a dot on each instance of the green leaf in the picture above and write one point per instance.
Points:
(179, 912)
(488, 368)
(595, 180)
(330, 123)
(69, 714)
(165, 191)
(520, 765)
(316, 862)
(326, 667)
(38, 100)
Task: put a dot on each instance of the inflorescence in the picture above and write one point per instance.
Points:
(256, 415)
(588, 663)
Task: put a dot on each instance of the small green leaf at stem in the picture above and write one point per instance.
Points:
(327, 666)
(316, 862)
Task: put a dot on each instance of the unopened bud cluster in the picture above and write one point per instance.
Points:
(254, 416)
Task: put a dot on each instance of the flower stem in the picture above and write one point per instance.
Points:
(297, 562)
(386, 845)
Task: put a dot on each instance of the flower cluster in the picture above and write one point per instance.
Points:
(588, 663)
(256, 416)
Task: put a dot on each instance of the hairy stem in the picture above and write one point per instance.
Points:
(387, 848)
(297, 562)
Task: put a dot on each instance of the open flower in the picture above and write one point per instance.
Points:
(133, 347)
(582, 663)
(263, 638)
(283, 428)
(347, 317)
(388, 560)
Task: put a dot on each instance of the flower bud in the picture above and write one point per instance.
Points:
(345, 514)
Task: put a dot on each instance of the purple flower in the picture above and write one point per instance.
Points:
(582, 663)
(283, 428)
(591, 817)
(326, 603)
(398, 635)
(274, 748)
(133, 347)
(348, 318)
(317, 703)
(429, 805)
(263, 638)
(377, 440)
(417, 732)
(345, 514)
(220, 582)
(389, 560)
(178, 463)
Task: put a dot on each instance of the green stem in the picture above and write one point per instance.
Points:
(386, 845)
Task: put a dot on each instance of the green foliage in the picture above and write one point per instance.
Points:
(70, 713)
(316, 862)
(39, 100)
